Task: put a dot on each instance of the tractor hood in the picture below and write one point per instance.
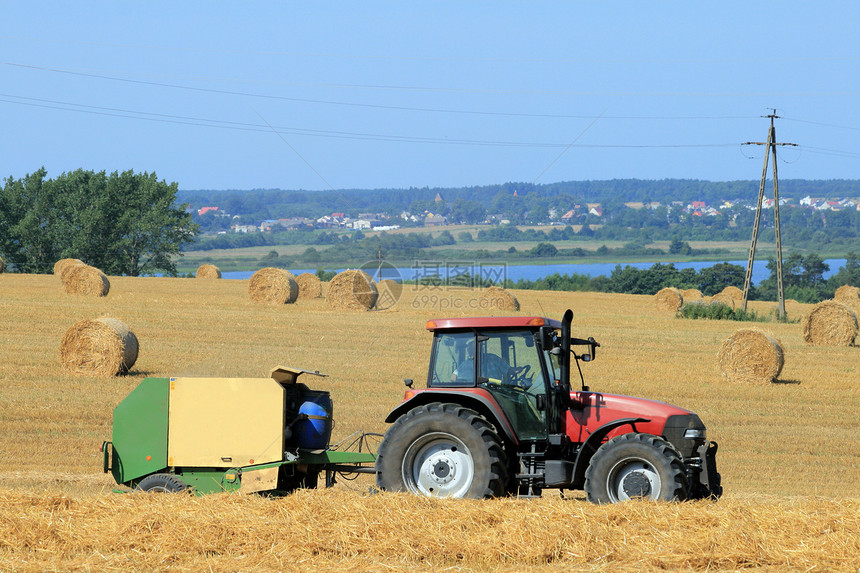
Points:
(589, 411)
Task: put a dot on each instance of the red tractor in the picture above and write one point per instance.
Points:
(499, 417)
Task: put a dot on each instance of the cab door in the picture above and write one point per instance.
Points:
(511, 369)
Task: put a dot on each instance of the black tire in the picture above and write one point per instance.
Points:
(636, 465)
(442, 450)
(162, 483)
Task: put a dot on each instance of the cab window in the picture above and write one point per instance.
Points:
(453, 360)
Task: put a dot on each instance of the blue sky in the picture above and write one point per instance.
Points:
(325, 95)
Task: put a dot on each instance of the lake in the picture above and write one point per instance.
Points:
(498, 272)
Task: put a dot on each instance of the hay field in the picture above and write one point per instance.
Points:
(789, 452)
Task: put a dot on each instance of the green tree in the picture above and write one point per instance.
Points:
(714, 279)
(465, 211)
(679, 247)
(444, 238)
(311, 255)
(325, 275)
(25, 244)
(543, 250)
(802, 279)
(148, 229)
(124, 224)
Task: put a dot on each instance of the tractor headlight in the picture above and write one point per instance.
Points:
(695, 434)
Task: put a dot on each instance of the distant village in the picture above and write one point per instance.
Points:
(576, 214)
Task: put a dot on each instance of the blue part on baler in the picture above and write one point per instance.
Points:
(314, 432)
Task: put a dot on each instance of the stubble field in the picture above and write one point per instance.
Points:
(789, 452)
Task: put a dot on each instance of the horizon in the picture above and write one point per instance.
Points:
(757, 182)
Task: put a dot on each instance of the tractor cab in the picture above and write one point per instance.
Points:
(509, 360)
(523, 363)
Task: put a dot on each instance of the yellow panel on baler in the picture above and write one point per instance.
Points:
(225, 422)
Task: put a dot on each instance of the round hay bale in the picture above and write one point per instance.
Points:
(352, 289)
(84, 280)
(498, 298)
(63, 265)
(669, 298)
(208, 272)
(751, 356)
(723, 298)
(830, 323)
(310, 285)
(273, 286)
(847, 293)
(691, 294)
(100, 347)
(733, 292)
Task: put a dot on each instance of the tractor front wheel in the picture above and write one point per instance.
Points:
(442, 450)
(633, 466)
(162, 483)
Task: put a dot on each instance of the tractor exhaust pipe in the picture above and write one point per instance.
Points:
(566, 320)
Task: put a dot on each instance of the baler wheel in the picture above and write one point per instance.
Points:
(635, 465)
(442, 450)
(162, 483)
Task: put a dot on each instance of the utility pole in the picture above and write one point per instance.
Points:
(771, 149)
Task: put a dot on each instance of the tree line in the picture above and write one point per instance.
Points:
(803, 279)
(802, 228)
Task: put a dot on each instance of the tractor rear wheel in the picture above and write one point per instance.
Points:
(162, 483)
(636, 465)
(442, 450)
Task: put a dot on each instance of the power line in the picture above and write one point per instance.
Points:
(413, 108)
(832, 152)
(324, 180)
(834, 125)
(252, 127)
(222, 124)
(106, 76)
(563, 151)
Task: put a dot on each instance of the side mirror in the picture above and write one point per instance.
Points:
(408, 382)
(594, 344)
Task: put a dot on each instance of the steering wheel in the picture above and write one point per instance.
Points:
(517, 376)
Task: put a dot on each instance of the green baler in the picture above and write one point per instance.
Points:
(227, 434)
